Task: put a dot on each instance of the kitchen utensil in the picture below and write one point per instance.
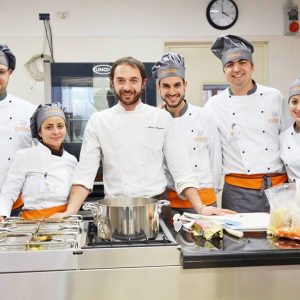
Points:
(127, 218)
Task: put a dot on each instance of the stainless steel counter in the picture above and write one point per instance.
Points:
(138, 273)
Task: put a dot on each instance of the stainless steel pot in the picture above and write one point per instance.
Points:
(127, 218)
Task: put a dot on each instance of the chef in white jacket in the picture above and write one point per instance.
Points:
(14, 118)
(42, 173)
(197, 128)
(132, 139)
(250, 118)
(290, 138)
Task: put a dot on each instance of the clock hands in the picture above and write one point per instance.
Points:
(224, 13)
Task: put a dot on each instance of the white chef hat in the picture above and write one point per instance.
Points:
(231, 47)
(294, 88)
(170, 65)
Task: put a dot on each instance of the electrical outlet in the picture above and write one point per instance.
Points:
(62, 15)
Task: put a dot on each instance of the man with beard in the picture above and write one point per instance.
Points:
(132, 139)
(250, 118)
(198, 130)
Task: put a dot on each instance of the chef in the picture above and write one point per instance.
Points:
(132, 139)
(197, 128)
(250, 118)
(41, 173)
(14, 119)
(290, 138)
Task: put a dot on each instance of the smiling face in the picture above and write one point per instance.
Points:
(4, 77)
(53, 132)
(294, 107)
(128, 84)
(238, 74)
(172, 91)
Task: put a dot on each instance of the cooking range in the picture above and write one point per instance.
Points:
(164, 238)
(74, 244)
(162, 250)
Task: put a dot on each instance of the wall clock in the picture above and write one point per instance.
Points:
(222, 14)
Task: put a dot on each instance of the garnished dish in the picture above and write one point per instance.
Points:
(288, 232)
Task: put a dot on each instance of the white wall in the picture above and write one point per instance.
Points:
(106, 30)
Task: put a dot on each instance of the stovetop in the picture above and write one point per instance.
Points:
(164, 238)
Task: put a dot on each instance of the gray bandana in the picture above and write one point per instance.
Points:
(42, 113)
(294, 88)
(170, 65)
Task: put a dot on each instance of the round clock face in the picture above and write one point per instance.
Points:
(222, 14)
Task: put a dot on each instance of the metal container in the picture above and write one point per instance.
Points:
(127, 218)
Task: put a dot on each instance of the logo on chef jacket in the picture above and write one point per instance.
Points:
(274, 119)
(102, 69)
(200, 138)
(22, 127)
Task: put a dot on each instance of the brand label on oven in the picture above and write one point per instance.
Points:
(102, 69)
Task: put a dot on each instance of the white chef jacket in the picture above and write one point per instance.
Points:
(289, 152)
(132, 146)
(44, 179)
(249, 128)
(201, 138)
(15, 134)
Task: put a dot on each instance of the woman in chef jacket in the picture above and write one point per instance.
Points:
(290, 138)
(41, 173)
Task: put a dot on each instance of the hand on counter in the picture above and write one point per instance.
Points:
(212, 210)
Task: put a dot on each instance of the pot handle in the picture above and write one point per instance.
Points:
(162, 203)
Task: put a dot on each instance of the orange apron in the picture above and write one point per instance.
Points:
(43, 213)
(208, 196)
(18, 203)
(254, 181)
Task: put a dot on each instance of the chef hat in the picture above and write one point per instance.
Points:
(231, 47)
(7, 58)
(170, 65)
(294, 88)
(42, 113)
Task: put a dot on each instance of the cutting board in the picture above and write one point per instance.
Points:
(242, 221)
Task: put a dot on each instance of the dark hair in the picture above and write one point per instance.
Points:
(131, 61)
